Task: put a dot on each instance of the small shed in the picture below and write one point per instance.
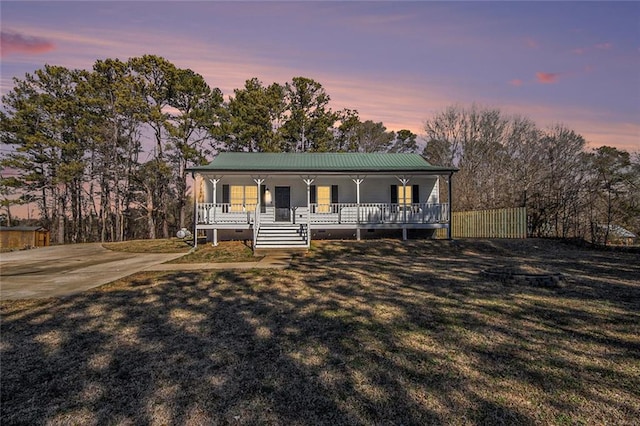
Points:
(23, 237)
(619, 235)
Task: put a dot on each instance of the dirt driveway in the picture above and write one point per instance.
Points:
(63, 270)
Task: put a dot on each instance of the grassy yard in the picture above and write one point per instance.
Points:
(166, 245)
(376, 332)
(226, 251)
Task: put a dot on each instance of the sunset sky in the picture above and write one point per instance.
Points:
(575, 63)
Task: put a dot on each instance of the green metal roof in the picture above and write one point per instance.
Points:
(318, 162)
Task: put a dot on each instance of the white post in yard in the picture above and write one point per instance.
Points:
(308, 181)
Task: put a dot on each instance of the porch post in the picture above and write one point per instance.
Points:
(358, 181)
(215, 181)
(404, 182)
(259, 182)
(450, 205)
(308, 181)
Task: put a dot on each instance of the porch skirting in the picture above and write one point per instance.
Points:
(306, 234)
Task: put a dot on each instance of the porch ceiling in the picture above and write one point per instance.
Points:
(320, 163)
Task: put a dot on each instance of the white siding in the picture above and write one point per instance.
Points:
(434, 197)
(374, 189)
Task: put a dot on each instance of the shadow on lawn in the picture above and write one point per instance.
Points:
(355, 333)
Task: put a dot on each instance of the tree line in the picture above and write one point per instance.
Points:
(76, 142)
(507, 161)
(104, 152)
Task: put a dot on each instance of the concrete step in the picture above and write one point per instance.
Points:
(287, 242)
(274, 252)
(280, 239)
(281, 246)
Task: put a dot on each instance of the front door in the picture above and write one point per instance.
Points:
(283, 204)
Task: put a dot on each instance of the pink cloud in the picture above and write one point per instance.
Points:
(547, 77)
(20, 43)
(516, 82)
(579, 50)
(532, 44)
(603, 46)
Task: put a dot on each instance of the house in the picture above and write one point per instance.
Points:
(618, 235)
(286, 199)
(23, 237)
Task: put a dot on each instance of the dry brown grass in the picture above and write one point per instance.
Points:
(167, 245)
(226, 251)
(377, 332)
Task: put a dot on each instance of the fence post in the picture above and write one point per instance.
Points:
(450, 205)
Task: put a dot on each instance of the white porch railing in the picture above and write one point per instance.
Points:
(344, 213)
(328, 214)
(211, 213)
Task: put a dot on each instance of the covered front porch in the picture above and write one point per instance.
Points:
(279, 199)
(333, 214)
(290, 207)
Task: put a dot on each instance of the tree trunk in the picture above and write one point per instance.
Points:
(61, 213)
(117, 216)
(165, 221)
(8, 215)
(609, 217)
(182, 188)
(151, 223)
(103, 215)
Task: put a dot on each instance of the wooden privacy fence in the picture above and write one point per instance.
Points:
(496, 223)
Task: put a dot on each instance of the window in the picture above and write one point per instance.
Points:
(404, 195)
(400, 196)
(243, 198)
(237, 198)
(323, 196)
(251, 197)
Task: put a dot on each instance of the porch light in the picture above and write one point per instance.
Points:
(267, 195)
